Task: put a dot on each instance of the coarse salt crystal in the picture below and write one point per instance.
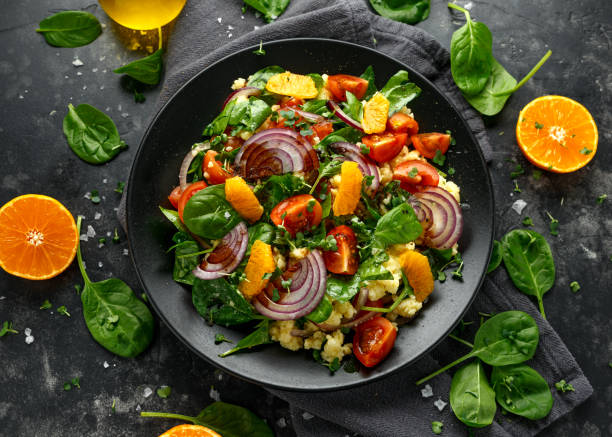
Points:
(281, 422)
(125, 252)
(255, 27)
(79, 73)
(87, 196)
(83, 237)
(147, 392)
(90, 231)
(108, 234)
(214, 394)
(2, 297)
(226, 215)
(306, 415)
(219, 20)
(52, 112)
(94, 70)
(125, 114)
(106, 365)
(105, 180)
(469, 5)
(27, 332)
(138, 407)
(118, 107)
(229, 35)
(230, 27)
(102, 58)
(29, 339)
(77, 62)
(427, 392)
(519, 205)
(440, 404)
(100, 265)
(97, 216)
(84, 87)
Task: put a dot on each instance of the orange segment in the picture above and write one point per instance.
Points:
(294, 85)
(190, 431)
(349, 191)
(261, 261)
(242, 199)
(557, 134)
(38, 237)
(417, 270)
(375, 112)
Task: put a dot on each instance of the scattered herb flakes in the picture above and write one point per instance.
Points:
(610, 364)
(67, 386)
(62, 310)
(220, 338)
(601, 198)
(164, 391)
(516, 187)
(260, 51)
(7, 328)
(77, 287)
(364, 149)
(46, 305)
(101, 241)
(120, 187)
(527, 221)
(144, 297)
(539, 125)
(554, 225)
(116, 237)
(518, 170)
(139, 97)
(413, 172)
(563, 386)
(95, 197)
(575, 286)
(76, 382)
(439, 158)
(537, 174)
(451, 171)
(113, 405)
(586, 151)
(436, 427)
(351, 365)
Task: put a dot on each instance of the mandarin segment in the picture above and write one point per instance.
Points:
(261, 261)
(349, 191)
(243, 200)
(190, 431)
(38, 237)
(557, 134)
(294, 85)
(375, 113)
(416, 268)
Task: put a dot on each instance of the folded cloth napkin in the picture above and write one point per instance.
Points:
(393, 406)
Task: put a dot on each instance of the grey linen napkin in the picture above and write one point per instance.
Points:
(392, 407)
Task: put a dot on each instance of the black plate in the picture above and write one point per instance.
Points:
(179, 124)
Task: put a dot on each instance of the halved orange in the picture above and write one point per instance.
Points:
(294, 85)
(375, 113)
(243, 200)
(557, 134)
(417, 270)
(190, 431)
(349, 191)
(38, 237)
(261, 261)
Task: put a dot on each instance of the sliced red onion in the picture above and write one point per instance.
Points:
(335, 108)
(275, 151)
(351, 152)
(302, 299)
(422, 211)
(187, 162)
(447, 219)
(226, 256)
(247, 91)
(361, 299)
(309, 116)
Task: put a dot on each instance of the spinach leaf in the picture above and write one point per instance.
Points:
(261, 231)
(219, 124)
(279, 187)
(318, 80)
(91, 134)
(496, 257)
(344, 288)
(322, 312)
(220, 303)
(184, 265)
(471, 397)
(70, 28)
(406, 11)
(368, 75)
(260, 78)
(316, 106)
(353, 106)
(115, 317)
(348, 134)
(256, 338)
(146, 70)
(270, 8)
(529, 263)
(398, 226)
(521, 390)
(226, 419)
(507, 338)
(249, 115)
(174, 218)
(399, 91)
(209, 215)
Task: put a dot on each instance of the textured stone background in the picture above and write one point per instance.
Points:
(38, 81)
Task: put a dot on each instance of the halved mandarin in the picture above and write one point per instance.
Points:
(190, 431)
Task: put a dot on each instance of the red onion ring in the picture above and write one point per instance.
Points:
(423, 213)
(335, 108)
(309, 116)
(246, 91)
(226, 256)
(187, 162)
(447, 219)
(350, 152)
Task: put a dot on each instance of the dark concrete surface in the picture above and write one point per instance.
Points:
(38, 81)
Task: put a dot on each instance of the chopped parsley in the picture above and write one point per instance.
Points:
(139, 97)
(601, 198)
(7, 328)
(563, 386)
(46, 305)
(286, 283)
(451, 171)
(439, 158)
(120, 187)
(516, 187)
(95, 196)
(452, 139)
(554, 225)
(67, 386)
(575, 286)
(538, 125)
(518, 170)
(527, 221)
(77, 287)
(364, 149)
(310, 205)
(164, 391)
(436, 427)
(413, 172)
(76, 382)
(220, 338)
(102, 241)
(275, 295)
(62, 310)
(537, 174)
(260, 51)
(113, 406)
(306, 132)
(116, 237)
(585, 151)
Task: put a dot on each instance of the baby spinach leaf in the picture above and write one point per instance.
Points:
(471, 397)
(521, 390)
(115, 317)
(316, 106)
(221, 303)
(529, 262)
(184, 265)
(209, 215)
(91, 134)
(322, 312)
(471, 54)
(260, 78)
(496, 257)
(271, 9)
(256, 338)
(219, 124)
(226, 419)
(318, 80)
(406, 11)
(353, 106)
(344, 288)
(368, 75)
(249, 115)
(70, 28)
(398, 226)
(261, 231)
(174, 218)
(279, 187)
(146, 70)
(399, 91)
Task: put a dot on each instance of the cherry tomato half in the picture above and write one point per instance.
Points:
(345, 260)
(321, 130)
(383, 147)
(425, 174)
(427, 144)
(213, 170)
(373, 341)
(402, 123)
(175, 196)
(187, 194)
(369, 303)
(298, 213)
(339, 84)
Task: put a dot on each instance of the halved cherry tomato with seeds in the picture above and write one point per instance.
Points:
(402, 123)
(298, 213)
(187, 194)
(383, 147)
(321, 130)
(175, 196)
(213, 170)
(345, 260)
(427, 144)
(413, 173)
(373, 341)
(339, 84)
